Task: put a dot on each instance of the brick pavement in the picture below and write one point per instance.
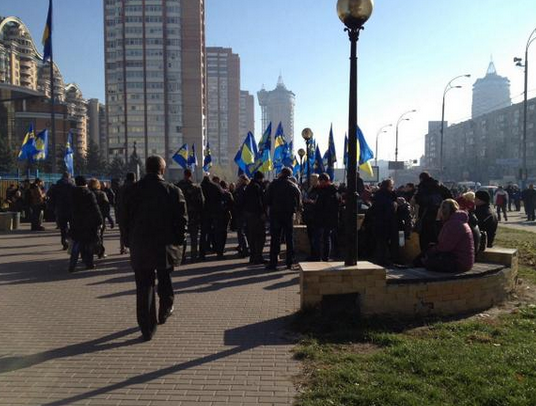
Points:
(72, 339)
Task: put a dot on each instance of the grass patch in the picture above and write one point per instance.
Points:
(480, 361)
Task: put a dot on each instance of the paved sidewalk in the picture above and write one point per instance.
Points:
(72, 339)
(518, 221)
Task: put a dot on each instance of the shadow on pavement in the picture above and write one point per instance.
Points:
(270, 332)
(9, 364)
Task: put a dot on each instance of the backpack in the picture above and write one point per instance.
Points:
(501, 201)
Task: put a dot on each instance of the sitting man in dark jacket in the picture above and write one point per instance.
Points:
(155, 218)
(487, 219)
(86, 220)
(283, 199)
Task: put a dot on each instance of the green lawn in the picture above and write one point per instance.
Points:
(485, 360)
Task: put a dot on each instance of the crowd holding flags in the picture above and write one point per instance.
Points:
(263, 161)
(246, 155)
(185, 159)
(34, 148)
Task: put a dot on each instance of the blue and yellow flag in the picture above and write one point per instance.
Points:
(331, 155)
(318, 166)
(280, 146)
(263, 161)
(192, 159)
(47, 35)
(296, 167)
(27, 150)
(181, 156)
(68, 158)
(207, 162)
(41, 146)
(364, 153)
(245, 157)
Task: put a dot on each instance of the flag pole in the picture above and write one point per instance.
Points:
(52, 97)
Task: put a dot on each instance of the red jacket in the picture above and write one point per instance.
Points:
(456, 237)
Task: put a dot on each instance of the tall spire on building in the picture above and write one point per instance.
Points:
(280, 82)
(491, 67)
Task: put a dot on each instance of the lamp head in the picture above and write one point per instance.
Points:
(301, 152)
(307, 134)
(354, 13)
(468, 75)
(517, 60)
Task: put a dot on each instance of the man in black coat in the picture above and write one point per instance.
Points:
(326, 212)
(155, 217)
(283, 199)
(121, 198)
(63, 197)
(529, 200)
(214, 228)
(255, 217)
(86, 219)
(430, 194)
(194, 203)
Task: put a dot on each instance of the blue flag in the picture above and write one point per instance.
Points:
(365, 153)
(207, 162)
(68, 158)
(27, 150)
(192, 159)
(181, 156)
(245, 157)
(41, 146)
(331, 155)
(263, 161)
(318, 166)
(47, 35)
(281, 148)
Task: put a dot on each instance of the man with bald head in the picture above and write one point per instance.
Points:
(155, 218)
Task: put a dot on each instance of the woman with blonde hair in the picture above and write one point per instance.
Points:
(455, 251)
(104, 205)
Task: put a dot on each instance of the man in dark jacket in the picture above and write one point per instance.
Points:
(326, 211)
(384, 223)
(86, 219)
(194, 202)
(121, 197)
(283, 199)
(487, 219)
(214, 214)
(255, 217)
(238, 214)
(430, 194)
(155, 218)
(529, 200)
(63, 201)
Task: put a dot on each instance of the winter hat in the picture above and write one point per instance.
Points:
(483, 195)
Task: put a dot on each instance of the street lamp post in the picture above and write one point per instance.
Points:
(301, 154)
(532, 38)
(307, 135)
(354, 14)
(381, 131)
(402, 118)
(448, 88)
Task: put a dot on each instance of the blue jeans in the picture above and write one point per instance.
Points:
(81, 249)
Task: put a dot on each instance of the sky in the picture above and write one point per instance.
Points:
(408, 52)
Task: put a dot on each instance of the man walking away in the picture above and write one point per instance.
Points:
(238, 213)
(86, 221)
(37, 203)
(255, 217)
(501, 201)
(155, 218)
(194, 203)
(283, 199)
(529, 200)
(327, 213)
(63, 201)
(121, 197)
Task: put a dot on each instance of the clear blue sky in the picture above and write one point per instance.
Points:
(408, 52)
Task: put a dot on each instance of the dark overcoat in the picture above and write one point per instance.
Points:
(86, 216)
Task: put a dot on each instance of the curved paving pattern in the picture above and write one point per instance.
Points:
(73, 339)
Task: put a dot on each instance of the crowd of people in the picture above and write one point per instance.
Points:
(157, 220)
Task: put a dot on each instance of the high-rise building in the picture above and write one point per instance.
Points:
(247, 113)
(432, 144)
(22, 68)
(155, 76)
(278, 106)
(492, 92)
(97, 125)
(223, 103)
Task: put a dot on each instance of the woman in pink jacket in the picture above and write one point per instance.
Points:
(455, 251)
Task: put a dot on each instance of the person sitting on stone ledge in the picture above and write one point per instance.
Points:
(487, 219)
(455, 251)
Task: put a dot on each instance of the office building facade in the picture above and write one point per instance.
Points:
(155, 76)
(247, 113)
(492, 92)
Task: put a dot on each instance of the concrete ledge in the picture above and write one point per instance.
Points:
(412, 292)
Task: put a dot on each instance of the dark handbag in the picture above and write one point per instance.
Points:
(175, 254)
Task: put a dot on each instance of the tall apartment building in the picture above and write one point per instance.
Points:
(278, 106)
(97, 125)
(486, 148)
(22, 70)
(247, 113)
(492, 92)
(223, 93)
(155, 76)
(432, 145)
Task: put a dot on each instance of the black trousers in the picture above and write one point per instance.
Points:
(281, 224)
(193, 230)
(444, 262)
(63, 224)
(530, 211)
(256, 234)
(145, 297)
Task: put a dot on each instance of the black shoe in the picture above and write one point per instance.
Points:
(165, 314)
(65, 247)
(91, 266)
(72, 269)
(271, 267)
